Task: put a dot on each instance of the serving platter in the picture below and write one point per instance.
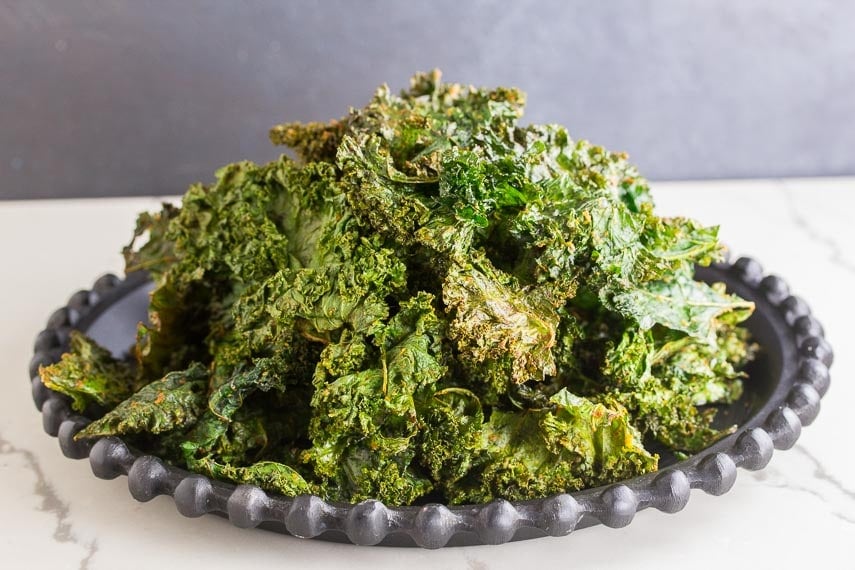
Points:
(782, 394)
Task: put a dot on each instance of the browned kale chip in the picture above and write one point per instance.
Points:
(434, 300)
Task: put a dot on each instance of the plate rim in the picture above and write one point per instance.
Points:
(805, 357)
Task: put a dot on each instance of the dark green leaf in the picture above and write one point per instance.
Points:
(88, 374)
(162, 406)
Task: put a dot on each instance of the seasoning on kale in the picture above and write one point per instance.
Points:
(434, 299)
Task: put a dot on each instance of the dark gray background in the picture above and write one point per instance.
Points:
(126, 97)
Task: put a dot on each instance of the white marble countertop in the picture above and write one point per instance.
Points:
(797, 512)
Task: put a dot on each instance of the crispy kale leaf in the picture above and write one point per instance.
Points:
(365, 422)
(573, 444)
(683, 304)
(498, 324)
(449, 440)
(661, 377)
(266, 474)
(88, 374)
(430, 300)
(164, 405)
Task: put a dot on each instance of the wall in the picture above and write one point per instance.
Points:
(120, 97)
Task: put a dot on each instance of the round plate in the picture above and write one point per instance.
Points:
(782, 394)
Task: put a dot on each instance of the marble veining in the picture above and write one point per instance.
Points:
(820, 484)
(800, 221)
(50, 502)
(821, 473)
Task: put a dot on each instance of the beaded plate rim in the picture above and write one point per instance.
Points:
(806, 357)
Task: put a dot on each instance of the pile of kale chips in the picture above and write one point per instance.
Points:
(431, 301)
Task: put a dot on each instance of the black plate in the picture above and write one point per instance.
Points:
(782, 393)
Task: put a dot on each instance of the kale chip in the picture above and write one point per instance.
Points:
(430, 300)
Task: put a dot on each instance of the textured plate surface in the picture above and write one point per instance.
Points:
(782, 394)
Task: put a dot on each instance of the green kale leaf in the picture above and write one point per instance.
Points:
(364, 422)
(431, 300)
(683, 304)
(88, 374)
(164, 405)
(573, 444)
